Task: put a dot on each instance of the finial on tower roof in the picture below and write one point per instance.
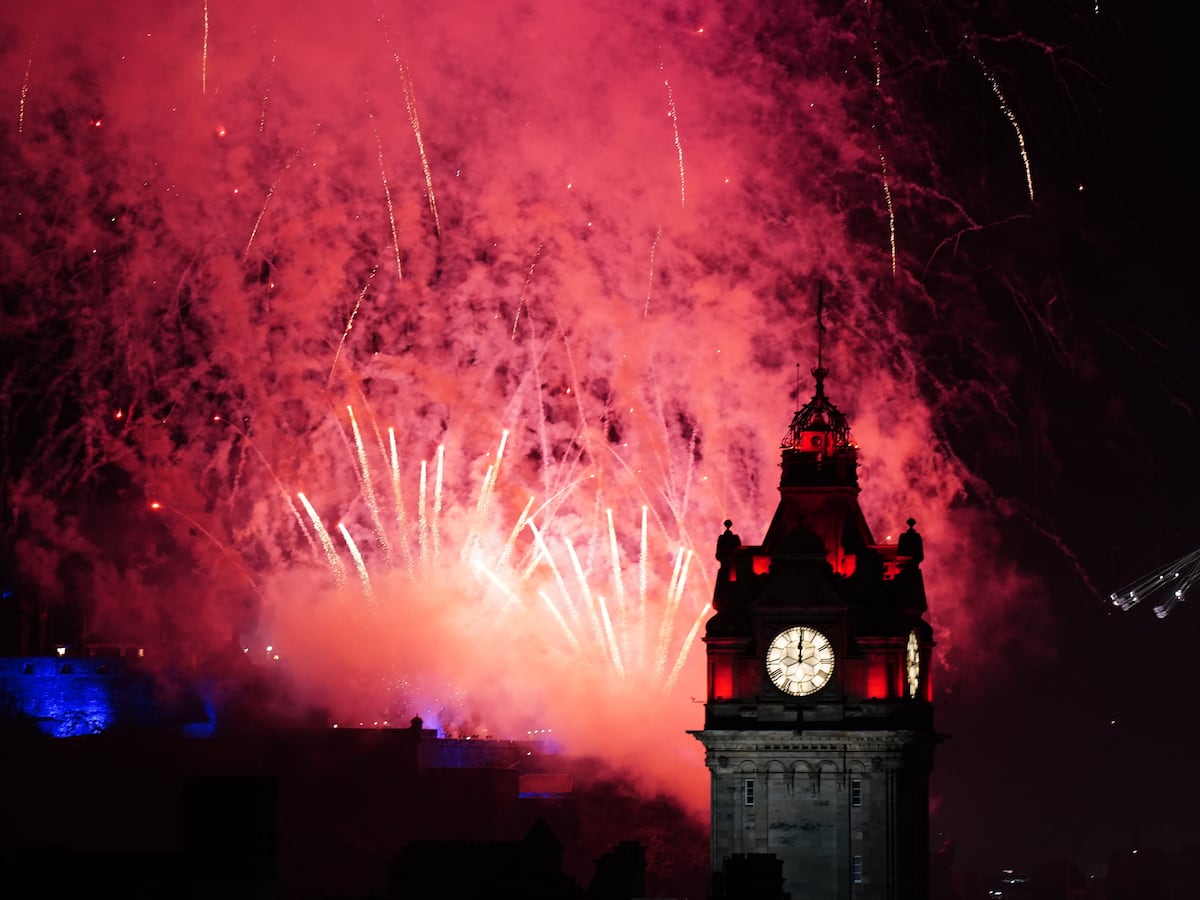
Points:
(820, 324)
(818, 415)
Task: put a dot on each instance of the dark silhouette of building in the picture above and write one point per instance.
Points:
(818, 725)
(530, 868)
(233, 803)
(1141, 873)
(750, 876)
(620, 873)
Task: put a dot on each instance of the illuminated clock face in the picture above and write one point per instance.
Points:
(800, 661)
(913, 663)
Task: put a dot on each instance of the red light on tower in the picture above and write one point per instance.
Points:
(877, 678)
(720, 679)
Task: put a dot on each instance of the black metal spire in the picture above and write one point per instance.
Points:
(818, 415)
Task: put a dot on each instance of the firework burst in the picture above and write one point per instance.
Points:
(271, 325)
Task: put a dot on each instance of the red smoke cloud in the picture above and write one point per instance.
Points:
(592, 232)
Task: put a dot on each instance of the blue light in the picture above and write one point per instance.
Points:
(205, 729)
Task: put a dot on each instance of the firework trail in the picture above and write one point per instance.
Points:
(387, 194)
(271, 193)
(204, 54)
(674, 114)
(25, 91)
(1168, 585)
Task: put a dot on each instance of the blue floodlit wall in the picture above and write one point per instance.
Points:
(74, 696)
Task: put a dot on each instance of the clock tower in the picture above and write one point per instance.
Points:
(818, 726)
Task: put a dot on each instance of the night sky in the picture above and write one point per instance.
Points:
(1085, 747)
(417, 318)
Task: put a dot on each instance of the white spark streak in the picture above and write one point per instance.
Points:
(439, 472)
(650, 282)
(25, 91)
(422, 518)
(1012, 118)
(525, 289)
(685, 648)
(368, 487)
(558, 617)
(410, 105)
(643, 581)
(387, 193)
(614, 650)
(204, 54)
(887, 196)
(262, 116)
(555, 571)
(674, 113)
(350, 324)
(335, 561)
(271, 191)
(585, 590)
(398, 502)
(359, 563)
(615, 559)
(674, 593)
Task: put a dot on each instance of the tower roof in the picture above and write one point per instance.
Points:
(818, 448)
(818, 482)
(818, 416)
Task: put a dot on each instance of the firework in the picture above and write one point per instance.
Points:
(1167, 586)
(492, 482)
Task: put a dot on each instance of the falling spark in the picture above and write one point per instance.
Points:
(236, 560)
(650, 282)
(387, 193)
(350, 324)
(271, 191)
(414, 121)
(1012, 118)
(525, 290)
(25, 91)
(887, 195)
(204, 54)
(262, 116)
(410, 105)
(883, 164)
(678, 143)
